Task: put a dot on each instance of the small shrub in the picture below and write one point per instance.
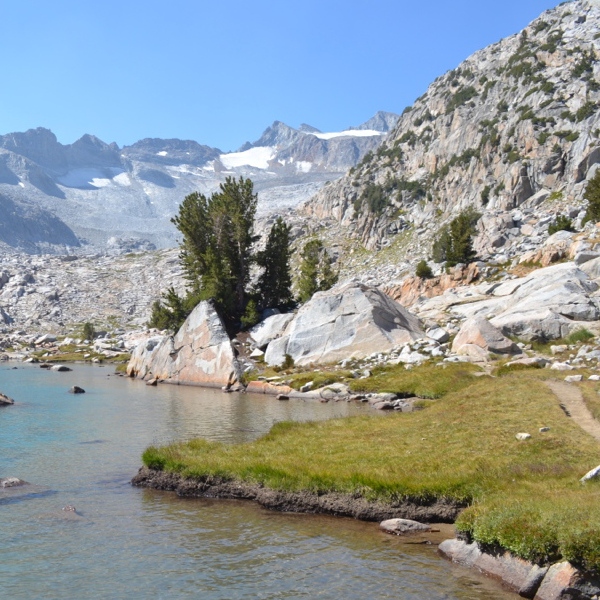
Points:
(586, 111)
(562, 223)
(461, 97)
(581, 335)
(88, 331)
(543, 137)
(423, 270)
(485, 195)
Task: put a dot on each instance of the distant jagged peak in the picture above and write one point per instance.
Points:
(308, 129)
(89, 140)
(277, 134)
(37, 136)
(381, 121)
(170, 151)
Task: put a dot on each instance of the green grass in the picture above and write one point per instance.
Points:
(580, 335)
(506, 369)
(427, 381)
(319, 378)
(523, 496)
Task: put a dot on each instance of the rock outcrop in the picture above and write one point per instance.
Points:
(348, 322)
(559, 581)
(200, 353)
(480, 333)
(547, 304)
(512, 126)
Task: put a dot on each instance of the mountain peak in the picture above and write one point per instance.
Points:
(308, 128)
(380, 121)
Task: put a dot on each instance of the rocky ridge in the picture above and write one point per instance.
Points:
(514, 125)
(55, 197)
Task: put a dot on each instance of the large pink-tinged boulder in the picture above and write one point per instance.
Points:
(200, 353)
(478, 332)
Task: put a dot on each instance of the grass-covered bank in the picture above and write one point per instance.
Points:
(524, 496)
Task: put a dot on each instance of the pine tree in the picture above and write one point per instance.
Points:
(592, 195)
(308, 282)
(454, 242)
(275, 282)
(316, 272)
(171, 314)
(216, 253)
(216, 246)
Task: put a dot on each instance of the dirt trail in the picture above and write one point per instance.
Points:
(572, 403)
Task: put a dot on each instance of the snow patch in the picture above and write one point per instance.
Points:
(97, 178)
(303, 166)
(255, 157)
(21, 184)
(122, 179)
(347, 133)
(162, 153)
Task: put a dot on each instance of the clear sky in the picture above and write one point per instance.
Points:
(221, 71)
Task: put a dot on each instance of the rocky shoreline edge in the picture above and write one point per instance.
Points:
(560, 581)
(335, 504)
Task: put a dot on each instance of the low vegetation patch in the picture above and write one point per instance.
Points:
(427, 381)
(523, 496)
(319, 379)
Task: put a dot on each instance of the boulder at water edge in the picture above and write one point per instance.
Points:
(352, 321)
(200, 353)
(5, 400)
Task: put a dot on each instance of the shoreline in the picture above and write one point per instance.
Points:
(558, 581)
(334, 504)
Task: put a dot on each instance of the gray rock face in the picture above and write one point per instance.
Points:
(484, 135)
(351, 321)
(269, 329)
(547, 304)
(480, 332)
(200, 353)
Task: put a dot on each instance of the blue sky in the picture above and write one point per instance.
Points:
(220, 72)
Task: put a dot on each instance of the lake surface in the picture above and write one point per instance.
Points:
(130, 543)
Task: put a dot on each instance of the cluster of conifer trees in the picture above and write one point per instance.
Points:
(218, 251)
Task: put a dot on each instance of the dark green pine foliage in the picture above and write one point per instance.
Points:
(216, 252)
(316, 272)
(454, 242)
(170, 313)
(275, 282)
(592, 195)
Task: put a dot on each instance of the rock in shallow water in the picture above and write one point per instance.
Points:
(5, 400)
(7, 482)
(403, 526)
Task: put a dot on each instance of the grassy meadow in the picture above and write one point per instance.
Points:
(524, 496)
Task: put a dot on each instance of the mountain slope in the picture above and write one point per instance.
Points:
(514, 122)
(101, 192)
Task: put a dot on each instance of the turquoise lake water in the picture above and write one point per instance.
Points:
(130, 543)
